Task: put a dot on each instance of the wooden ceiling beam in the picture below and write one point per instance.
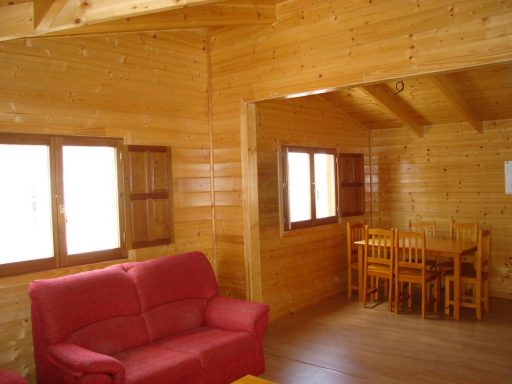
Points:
(46, 11)
(81, 17)
(227, 13)
(444, 83)
(99, 11)
(394, 104)
(16, 20)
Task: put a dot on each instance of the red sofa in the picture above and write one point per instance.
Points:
(159, 321)
(11, 377)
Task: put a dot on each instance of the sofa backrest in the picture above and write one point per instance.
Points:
(173, 291)
(93, 309)
(146, 300)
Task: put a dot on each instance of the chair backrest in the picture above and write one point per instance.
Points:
(410, 250)
(355, 232)
(483, 252)
(380, 246)
(463, 231)
(429, 227)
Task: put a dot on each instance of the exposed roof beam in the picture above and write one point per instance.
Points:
(228, 13)
(41, 17)
(446, 86)
(46, 11)
(98, 11)
(401, 110)
(16, 20)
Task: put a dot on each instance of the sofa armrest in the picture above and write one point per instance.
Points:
(237, 315)
(78, 361)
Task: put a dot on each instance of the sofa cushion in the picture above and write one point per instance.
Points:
(11, 377)
(171, 278)
(112, 335)
(71, 302)
(174, 317)
(152, 364)
(210, 345)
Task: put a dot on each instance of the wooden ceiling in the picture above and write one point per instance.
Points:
(475, 96)
(21, 18)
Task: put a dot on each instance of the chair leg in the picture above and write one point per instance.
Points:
(409, 296)
(486, 295)
(478, 299)
(390, 293)
(447, 295)
(438, 293)
(349, 281)
(365, 288)
(397, 295)
(423, 298)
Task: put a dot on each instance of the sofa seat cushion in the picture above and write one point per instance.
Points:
(153, 364)
(210, 345)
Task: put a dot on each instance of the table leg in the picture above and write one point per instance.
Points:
(456, 287)
(360, 272)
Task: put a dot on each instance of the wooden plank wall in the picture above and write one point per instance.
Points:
(146, 88)
(304, 266)
(332, 44)
(453, 172)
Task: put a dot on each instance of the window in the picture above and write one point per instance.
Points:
(59, 202)
(309, 181)
(351, 176)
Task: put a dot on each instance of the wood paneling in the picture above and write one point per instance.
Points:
(149, 89)
(328, 45)
(452, 173)
(303, 266)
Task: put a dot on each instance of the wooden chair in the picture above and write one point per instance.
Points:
(378, 262)
(355, 232)
(463, 231)
(475, 282)
(410, 267)
(429, 227)
(430, 230)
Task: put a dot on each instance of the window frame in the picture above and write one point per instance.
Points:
(60, 257)
(311, 151)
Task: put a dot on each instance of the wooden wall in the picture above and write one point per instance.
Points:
(146, 88)
(303, 266)
(453, 172)
(152, 88)
(327, 44)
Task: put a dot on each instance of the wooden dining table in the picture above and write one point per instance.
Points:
(448, 248)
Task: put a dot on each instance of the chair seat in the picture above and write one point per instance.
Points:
(415, 274)
(378, 268)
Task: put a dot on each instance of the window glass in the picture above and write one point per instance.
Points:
(309, 171)
(299, 190)
(325, 189)
(90, 199)
(25, 203)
